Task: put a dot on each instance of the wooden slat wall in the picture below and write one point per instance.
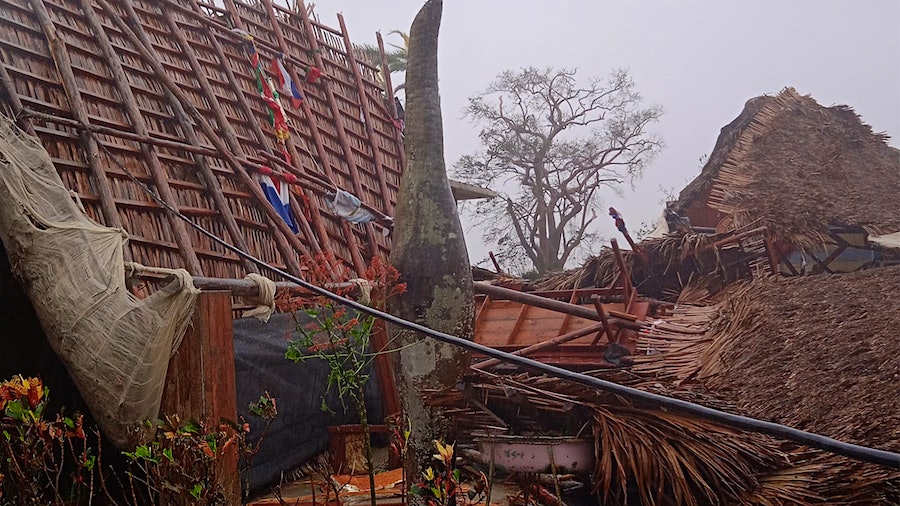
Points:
(351, 164)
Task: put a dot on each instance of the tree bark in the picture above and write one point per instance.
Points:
(429, 251)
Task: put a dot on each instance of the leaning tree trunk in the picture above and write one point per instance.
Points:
(430, 253)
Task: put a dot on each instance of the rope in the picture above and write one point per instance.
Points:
(853, 451)
(266, 298)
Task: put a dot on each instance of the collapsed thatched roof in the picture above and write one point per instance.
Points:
(817, 353)
(799, 167)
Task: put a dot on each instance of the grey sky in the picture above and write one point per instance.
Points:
(700, 60)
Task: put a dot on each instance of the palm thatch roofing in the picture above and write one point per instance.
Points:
(169, 91)
(798, 167)
(818, 353)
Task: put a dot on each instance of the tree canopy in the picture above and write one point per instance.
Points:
(549, 145)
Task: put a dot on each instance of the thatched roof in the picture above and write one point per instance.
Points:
(199, 145)
(799, 167)
(820, 353)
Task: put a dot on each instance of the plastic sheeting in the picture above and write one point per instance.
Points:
(299, 431)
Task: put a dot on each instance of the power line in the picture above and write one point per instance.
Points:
(857, 452)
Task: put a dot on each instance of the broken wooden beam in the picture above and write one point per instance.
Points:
(571, 336)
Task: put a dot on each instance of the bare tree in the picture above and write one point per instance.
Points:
(549, 145)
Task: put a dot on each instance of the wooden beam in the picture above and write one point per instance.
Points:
(336, 116)
(604, 323)
(392, 107)
(241, 97)
(623, 271)
(356, 257)
(160, 179)
(200, 382)
(92, 152)
(283, 240)
(367, 118)
(8, 89)
(206, 90)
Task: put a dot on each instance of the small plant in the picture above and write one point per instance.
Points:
(181, 462)
(340, 336)
(441, 486)
(41, 461)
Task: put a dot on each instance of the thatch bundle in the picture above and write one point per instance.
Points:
(818, 353)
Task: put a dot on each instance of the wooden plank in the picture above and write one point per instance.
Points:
(201, 377)
(544, 345)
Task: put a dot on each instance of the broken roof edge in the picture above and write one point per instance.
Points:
(466, 191)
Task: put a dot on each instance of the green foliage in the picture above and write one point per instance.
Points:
(50, 462)
(41, 461)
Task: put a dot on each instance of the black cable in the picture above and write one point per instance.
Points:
(857, 452)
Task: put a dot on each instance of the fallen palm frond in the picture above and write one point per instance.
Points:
(667, 458)
(667, 264)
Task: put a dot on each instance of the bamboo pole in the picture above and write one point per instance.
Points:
(12, 98)
(367, 118)
(336, 116)
(157, 172)
(355, 255)
(255, 128)
(76, 102)
(285, 239)
(392, 107)
(206, 90)
(292, 151)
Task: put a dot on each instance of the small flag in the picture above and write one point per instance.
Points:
(284, 80)
(278, 195)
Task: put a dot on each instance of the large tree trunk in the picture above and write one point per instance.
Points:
(429, 251)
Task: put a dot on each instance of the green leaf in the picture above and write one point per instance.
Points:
(293, 353)
(190, 427)
(69, 422)
(167, 453)
(195, 492)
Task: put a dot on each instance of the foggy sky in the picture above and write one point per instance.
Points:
(700, 60)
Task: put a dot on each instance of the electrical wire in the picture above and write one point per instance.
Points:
(853, 451)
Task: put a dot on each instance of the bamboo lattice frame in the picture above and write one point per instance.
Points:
(195, 131)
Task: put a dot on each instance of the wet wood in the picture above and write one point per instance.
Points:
(338, 122)
(367, 119)
(70, 85)
(201, 382)
(282, 235)
(160, 179)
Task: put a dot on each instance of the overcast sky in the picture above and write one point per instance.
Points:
(700, 60)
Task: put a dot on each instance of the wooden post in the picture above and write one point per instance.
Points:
(201, 380)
